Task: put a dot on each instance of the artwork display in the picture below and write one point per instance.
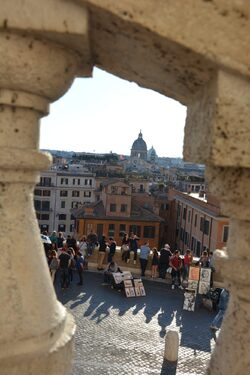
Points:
(130, 292)
(192, 284)
(205, 275)
(120, 277)
(204, 287)
(189, 300)
(128, 283)
(194, 273)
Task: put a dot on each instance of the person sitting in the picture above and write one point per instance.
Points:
(108, 273)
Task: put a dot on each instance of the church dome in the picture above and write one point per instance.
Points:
(139, 144)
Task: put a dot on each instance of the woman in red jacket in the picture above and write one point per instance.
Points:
(176, 264)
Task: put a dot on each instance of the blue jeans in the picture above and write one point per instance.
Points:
(218, 319)
(110, 257)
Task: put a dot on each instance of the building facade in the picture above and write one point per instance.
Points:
(196, 222)
(58, 192)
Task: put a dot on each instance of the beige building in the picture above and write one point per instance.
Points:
(59, 191)
(198, 223)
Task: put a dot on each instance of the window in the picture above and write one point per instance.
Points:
(61, 227)
(202, 224)
(90, 182)
(75, 193)
(184, 214)
(42, 205)
(111, 231)
(195, 220)
(72, 217)
(112, 207)
(44, 217)
(225, 233)
(114, 189)
(74, 204)
(206, 227)
(198, 248)
(122, 229)
(179, 210)
(63, 193)
(136, 229)
(46, 193)
(87, 194)
(37, 192)
(64, 181)
(44, 227)
(63, 204)
(62, 217)
(78, 181)
(72, 228)
(149, 232)
(123, 191)
(189, 215)
(124, 207)
(45, 181)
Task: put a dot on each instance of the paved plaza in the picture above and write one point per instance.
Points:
(125, 336)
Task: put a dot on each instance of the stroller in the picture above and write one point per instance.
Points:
(210, 300)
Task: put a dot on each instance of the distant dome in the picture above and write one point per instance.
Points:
(139, 144)
(152, 156)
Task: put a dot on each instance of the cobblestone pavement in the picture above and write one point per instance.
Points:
(125, 336)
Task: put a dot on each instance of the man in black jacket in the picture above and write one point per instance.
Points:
(165, 255)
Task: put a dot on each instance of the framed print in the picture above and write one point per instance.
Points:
(192, 284)
(194, 273)
(205, 275)
(203, 287)
(189, 300)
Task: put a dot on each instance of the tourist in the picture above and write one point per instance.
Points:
(223, 302)
(187, 261)
(204, 260)
(72, 254)
(176, 264)
(133, 246)
(144, 253)
(91, 242)
(60, 240)
(165, 255)
(102, 251)
(125, 247)
(155, 263)
(53, 237)
(53, 266)
(80, 266)
(212, 266)
(112, 249)
(83, 246)
(71, 242)
(64, 263)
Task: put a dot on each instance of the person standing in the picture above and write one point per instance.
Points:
(64, 263)
(133, 246)
(176, 264)
(53, 237)
(187, 261)
(91, 242)
(79, 267)
(60, 240)
(53, 266)
(155, 263)
(112, 249)
(125, 247)
(102, 251)
(144, 253)
(165, 255)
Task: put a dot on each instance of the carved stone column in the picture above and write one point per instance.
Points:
(218, 134)
(36, 67)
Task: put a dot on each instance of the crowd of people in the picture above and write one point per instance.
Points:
(67, 254)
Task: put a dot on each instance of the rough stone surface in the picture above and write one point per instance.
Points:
(171, 346)
(120, 336)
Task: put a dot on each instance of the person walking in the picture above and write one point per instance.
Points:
(155, 263)
(144, 253)
(102, 251)
(176, 264)
(223, 303)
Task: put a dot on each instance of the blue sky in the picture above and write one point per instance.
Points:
(106, 113)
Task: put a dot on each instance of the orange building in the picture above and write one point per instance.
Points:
(195, 222)
(115, 213)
